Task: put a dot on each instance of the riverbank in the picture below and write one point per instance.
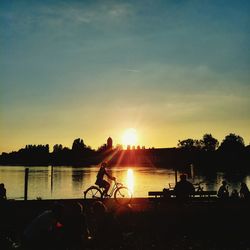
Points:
(148, 223)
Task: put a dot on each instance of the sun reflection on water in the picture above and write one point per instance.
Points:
(130, 180)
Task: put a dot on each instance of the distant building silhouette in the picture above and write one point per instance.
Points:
(109, 143)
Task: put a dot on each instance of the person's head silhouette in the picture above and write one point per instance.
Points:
(243, 185)
(183, 177)
(104, 164)
(57, 210)
(98, 208)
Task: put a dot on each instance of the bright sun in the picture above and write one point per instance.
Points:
(129, 137)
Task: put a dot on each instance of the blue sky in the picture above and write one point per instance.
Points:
(91, 69)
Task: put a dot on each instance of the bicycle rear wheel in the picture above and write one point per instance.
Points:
(93, 193)
(123, 195)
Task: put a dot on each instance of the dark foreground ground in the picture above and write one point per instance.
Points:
(145, 224)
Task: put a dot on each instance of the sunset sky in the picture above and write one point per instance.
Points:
(92, 69)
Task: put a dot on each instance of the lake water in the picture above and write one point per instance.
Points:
(69, 182)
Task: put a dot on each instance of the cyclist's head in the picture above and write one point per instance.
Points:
(224, 183)
(104, 164)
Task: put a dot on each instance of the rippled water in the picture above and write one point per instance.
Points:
(69, 182)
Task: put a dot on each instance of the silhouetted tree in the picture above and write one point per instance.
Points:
(57, 148)
(189, 144)
(102, 148)
(209, 143)
(78, 145)
(232, 153)
(232, 142)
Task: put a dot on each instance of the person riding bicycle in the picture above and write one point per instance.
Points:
(99, 178)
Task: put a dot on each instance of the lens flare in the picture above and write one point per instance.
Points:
(130, 180)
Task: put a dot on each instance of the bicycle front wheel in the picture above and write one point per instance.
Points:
(123, 195)
(93, 193)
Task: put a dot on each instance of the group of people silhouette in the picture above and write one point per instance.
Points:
(184, 189)
(223, 191)
(96, 220)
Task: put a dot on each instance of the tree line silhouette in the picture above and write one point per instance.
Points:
(206, 153)
(79, 154)
(209, 154)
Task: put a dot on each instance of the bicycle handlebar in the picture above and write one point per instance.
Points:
(117, 183)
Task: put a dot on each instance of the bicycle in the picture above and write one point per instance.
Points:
(121, 193)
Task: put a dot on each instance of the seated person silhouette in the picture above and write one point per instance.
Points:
(103, 228)
(183, 189)
(45, 231)
(223, 190)
(244, 191)
(2, 192)
(99, 178)
(235, 194)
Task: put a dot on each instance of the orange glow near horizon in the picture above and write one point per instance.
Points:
(129, 137)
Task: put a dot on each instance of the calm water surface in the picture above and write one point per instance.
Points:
(68, 182)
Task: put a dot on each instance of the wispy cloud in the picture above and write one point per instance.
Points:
(69, 14)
